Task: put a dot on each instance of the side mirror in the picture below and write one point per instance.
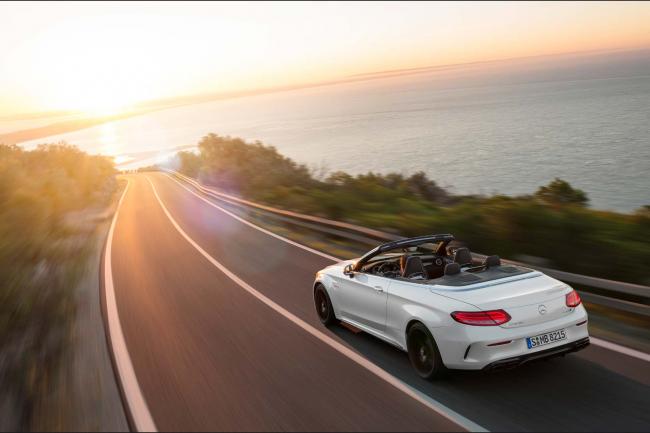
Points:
(349, 270)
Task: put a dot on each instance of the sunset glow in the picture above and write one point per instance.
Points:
(103, 58)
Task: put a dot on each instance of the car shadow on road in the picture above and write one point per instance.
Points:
(566, 393)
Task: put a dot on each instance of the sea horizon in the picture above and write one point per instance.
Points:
(505, 127)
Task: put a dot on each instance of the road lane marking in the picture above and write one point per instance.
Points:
(256, 227)
(621, 349)
(420, 397)
(596, 341)
(137, 405)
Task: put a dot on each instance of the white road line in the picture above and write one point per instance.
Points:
(621, 349)
(596, 341)
(360, 360)
(137, 405)
(256, 227)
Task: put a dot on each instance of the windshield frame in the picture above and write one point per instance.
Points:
(442, 240)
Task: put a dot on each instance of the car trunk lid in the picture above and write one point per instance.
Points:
(528, 300)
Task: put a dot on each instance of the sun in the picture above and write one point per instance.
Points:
(102, 74)
(93, 96)
(99, 101)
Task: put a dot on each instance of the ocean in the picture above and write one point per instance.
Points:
(502, 127)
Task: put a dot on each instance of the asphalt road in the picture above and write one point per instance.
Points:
(209, 354)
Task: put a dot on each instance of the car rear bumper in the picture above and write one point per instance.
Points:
(476, 347)
(516, 361)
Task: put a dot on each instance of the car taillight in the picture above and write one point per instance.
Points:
(573, 299)
(481, 318)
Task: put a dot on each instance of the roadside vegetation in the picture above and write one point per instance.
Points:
(43, 244)
(552, 226)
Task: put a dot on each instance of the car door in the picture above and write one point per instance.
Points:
(363, 300)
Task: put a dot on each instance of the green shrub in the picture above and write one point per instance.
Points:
(553, 224)
(38, 263)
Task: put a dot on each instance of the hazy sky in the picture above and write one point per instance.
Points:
(101, 57)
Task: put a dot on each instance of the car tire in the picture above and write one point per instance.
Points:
(324, 308)
(423, 352)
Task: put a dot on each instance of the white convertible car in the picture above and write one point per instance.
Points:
(449, 311)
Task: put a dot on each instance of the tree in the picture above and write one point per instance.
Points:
(419, 184)
(560, 192)
(248, 168)
(189, 163)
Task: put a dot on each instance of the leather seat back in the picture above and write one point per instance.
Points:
(492, 261)
(452, 269)
(463, 256)
(412, 266)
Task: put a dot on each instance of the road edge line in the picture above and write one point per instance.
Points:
(620, 349)
(420, 397)
(134, 401)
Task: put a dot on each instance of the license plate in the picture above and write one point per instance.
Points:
(547, 338)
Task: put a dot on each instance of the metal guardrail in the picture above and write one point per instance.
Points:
(371, 233)
(371, 236)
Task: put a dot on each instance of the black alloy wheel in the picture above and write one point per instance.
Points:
(423, 352)
(324, 307)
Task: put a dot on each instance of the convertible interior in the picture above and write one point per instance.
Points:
(452, 266)
(424, 262)
(434, 260)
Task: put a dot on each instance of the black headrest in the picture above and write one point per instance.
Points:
(413, 267)
(463, 256)
(491, 261)
(452, 269)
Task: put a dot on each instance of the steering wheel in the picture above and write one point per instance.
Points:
(439, 264)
